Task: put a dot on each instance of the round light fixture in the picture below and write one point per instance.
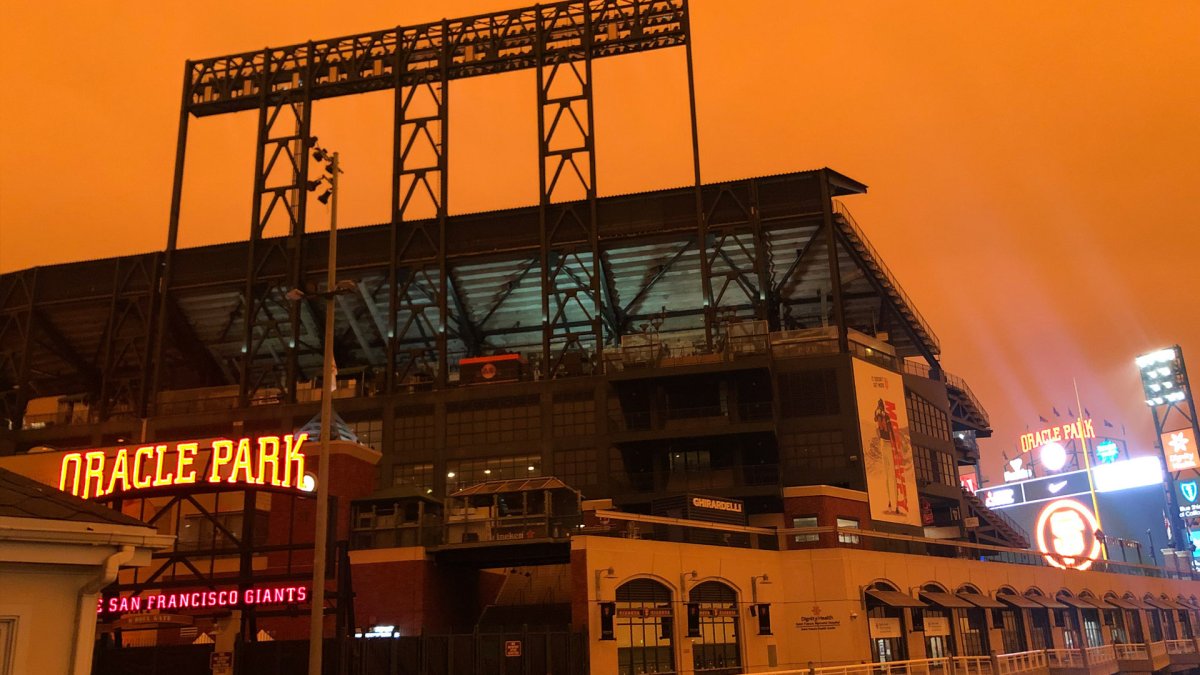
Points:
(308, 483)
(1053, 456)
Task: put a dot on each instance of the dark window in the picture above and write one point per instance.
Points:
(972, 626)
(574, 414)
(813, 450)
(499, 420)
(716, 650)
(805, 521)
(1040, 634)
(1011, 631)
(576, 468)
(926, 418)
(809, 393)
(644, 628)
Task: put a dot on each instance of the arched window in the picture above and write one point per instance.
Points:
(1041, 632)
(885, 620)
(645, 628)
(1136, 632)
(1011, 620)
(1069, 619)
(972, 624)
(937, 623)
(1120, 627)
(1091, 619)
(716, 650)
(1154, 614)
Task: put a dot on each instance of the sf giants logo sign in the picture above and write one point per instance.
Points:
(1066, 534)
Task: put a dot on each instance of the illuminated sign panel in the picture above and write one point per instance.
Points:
(1107, 452)
(1064, 432)
(1066, 534)
(1187, 496)
(1131, 473)
(202, 599)
(1179, 448)
(266, 460)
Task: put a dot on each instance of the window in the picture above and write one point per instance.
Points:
(812, 450)
(934, 466)
(413, 430)
(463, 472)
(418, 475)
(804, 522)
(576, 468)
(809, 393)
(8, 644)
(574, 414)
(498, 420)
(844, 523)
(972, 625)
(926, 418)
(1012, 633)
(923, 465)
(199, 532)
(1040, 633)
(369, 433)
(716, 649)
(645, 628)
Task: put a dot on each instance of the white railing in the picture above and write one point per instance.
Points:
(1131, 651)
(1021, 662)
(1181, 646)
(972, 665)
(1102, 654)
(913, 667)
(1064, 658)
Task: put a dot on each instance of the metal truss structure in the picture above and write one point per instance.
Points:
(558, 282)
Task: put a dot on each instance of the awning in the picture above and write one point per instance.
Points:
(1187, 602)
(1157, 603)
(1095, 602)
(1075, 602)
(1049, 603)
(1018, 601)
(894, 598)
(1137, 603)
(981, 600)
(1171, 604)
(1121, 602)
(945, 600)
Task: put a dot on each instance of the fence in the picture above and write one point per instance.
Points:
(1021, 662)
(549, 652)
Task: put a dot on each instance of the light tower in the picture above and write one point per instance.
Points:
(1168, 395)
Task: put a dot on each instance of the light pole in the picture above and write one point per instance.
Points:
(316, 632)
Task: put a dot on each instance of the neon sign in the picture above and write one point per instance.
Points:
(202, 599)
(1107, 452)
(1064, 432)
(261, 461)
(1066, 534)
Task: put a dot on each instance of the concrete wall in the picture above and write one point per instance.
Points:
(807, 584)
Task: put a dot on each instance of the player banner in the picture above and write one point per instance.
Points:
(887, 444)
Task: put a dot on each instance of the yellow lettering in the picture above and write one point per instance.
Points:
(187, 455)
(160, 452)
(242, 463)
(70, 459)
(222, 455)
(268, 453)
(293, 466)
(140, 479)
(120, 471)
(94, 470)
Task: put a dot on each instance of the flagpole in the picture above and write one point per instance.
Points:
(1087, 464)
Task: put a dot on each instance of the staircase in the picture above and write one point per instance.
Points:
(874, 263)
(995, 528)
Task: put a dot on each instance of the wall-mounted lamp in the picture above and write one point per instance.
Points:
(754, 583)
(607, 573)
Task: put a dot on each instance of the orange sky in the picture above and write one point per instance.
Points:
(1034, 167)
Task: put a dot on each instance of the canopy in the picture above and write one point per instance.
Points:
(894, 598)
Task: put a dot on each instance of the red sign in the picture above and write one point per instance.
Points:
(512, 647)
(969, 481)
(1179, 448)
(1063, 432)
(266, 459)
(202, 599)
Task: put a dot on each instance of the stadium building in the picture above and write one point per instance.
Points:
(692, 430)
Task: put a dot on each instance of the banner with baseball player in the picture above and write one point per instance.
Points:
(887, 445)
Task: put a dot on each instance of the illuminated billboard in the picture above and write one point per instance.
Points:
(887, 445)
(1179, 449)
(1066, 534)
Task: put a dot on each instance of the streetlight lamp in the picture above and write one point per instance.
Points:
(316, 634)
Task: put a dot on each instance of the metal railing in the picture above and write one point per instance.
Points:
(911, 667)
(961, 384)
(1158, 650)
(972, 665)
(1021, 662)
(946, 548)
(841, 210)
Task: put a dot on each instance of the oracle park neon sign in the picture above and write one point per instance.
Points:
(267, 460)
(1082, 428)
(202, 599)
